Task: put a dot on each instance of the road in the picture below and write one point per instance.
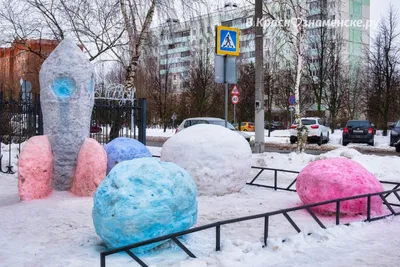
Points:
(313, 150)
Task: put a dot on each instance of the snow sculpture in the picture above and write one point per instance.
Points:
(35, 161)
(122, 148)
(142, 199)
(219, 159)
(67, 99)
(335, 178)
(91, 168)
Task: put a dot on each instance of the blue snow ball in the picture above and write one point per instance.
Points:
(142, 199)
(122, 148)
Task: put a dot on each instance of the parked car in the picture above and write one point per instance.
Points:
(209, 120)
(317, 131)
(275, 125)
(95, 129)
(358, 131)
(395, 134)
(246, 127)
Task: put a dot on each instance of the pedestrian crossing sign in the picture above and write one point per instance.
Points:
(228, 41)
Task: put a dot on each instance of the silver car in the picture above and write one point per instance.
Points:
(209, 120)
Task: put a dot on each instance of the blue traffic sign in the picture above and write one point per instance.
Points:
(228, 41)
(292, 100)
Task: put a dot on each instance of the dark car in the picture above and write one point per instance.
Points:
(275, 125)
(358, 131)
(395, 135)
(95, 129)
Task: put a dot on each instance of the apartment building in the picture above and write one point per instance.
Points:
(180, 41)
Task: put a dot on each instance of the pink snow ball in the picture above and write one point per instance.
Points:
(335, 178)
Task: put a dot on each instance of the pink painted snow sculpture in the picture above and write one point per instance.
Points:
(335, 178)
(35, 169)
(67, 99)
(90, 170)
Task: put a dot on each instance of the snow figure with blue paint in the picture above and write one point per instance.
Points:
(141, 199)
(67, 99)
(122, 148)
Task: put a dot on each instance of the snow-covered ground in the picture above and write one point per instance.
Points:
(58, 231)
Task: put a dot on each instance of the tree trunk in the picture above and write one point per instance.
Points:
(300, 132)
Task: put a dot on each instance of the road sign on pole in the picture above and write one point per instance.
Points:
(235, 99)
(228, 41)
(292, 100)
(235, 91)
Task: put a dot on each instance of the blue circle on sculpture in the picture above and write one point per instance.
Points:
(63, 87)
(142, 199)
(91, 86)
(123, 148)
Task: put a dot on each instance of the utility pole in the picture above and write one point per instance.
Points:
(259, 65)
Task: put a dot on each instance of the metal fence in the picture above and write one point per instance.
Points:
(21, 118)
(266, 216)
(277, 186)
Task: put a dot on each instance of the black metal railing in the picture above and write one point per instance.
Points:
(266, 216)
(292, 183)
(112, 119)
(276, 171)
(21, 118)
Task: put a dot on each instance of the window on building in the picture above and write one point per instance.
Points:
(248, 31)
(185, 54)
(171, 46)
(252, 54)
(288, 13)
(227, 23)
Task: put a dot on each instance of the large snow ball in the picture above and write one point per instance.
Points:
(122, 148)
(219, 159)
(335, 178)
(142, 199)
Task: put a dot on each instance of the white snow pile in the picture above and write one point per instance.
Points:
(58, 231)
(218, 159)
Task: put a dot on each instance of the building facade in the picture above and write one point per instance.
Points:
(179, 42)
(23, 60)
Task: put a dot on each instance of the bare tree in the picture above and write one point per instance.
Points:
(296, 36)
(384, 59)
(97, 24)
(337, 79)
(246, 84)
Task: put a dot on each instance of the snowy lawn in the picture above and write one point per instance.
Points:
(58, 231)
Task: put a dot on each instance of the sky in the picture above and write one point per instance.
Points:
(380, 7)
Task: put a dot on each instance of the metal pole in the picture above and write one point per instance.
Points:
(291, 117)
(234, 113)
(132, 122)
(226, 93)
(259, 82)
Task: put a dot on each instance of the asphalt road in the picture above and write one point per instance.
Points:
(312, 151)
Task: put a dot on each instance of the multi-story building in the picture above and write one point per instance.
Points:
(180, 41)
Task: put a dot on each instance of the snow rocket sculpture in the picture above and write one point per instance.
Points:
(219, 159)
(335, 178)
(142, 199)
(67, 99)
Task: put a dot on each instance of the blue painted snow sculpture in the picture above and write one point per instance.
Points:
(142, 199)
(122, 148)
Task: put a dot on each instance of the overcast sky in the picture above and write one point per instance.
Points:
(380, 7)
